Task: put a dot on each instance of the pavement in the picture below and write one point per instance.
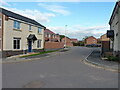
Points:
(18, 59)
(96, 59)
(66, 70)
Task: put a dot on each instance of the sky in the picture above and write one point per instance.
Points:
(82, 18)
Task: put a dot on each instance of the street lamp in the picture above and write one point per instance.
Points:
(65, 35)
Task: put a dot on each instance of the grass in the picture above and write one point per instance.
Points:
(38, 53)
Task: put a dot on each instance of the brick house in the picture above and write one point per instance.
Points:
(20, 34)
(90, 40)
(105, 45)
(52, 41)
(114, 32)
(69, 42)
(74, 40)
(50, 36)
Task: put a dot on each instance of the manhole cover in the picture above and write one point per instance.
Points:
(34, 84)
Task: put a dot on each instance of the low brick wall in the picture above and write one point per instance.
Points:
(53, 45)
(12, 53)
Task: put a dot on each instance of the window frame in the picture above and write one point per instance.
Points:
(30, 27)
(16, 25)
(0, 22)
(39, 43)
(16, 46)
(39, 30)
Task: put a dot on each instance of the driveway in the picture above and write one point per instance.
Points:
(61, 71)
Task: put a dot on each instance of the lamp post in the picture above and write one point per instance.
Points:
(65, 35)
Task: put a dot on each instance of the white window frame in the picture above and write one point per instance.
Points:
(30, 27)
(16, 39)
(39, 43)
(0, 22)
(39, 30)
(16, 24)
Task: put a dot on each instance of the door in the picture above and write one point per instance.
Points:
(29, 46)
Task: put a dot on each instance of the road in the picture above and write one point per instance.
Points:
(61, 71)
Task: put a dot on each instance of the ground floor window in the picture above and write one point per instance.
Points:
(16, 43)
(39, 43)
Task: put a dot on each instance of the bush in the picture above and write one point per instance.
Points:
(113, 58)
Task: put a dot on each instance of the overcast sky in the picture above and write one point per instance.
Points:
(82, 18)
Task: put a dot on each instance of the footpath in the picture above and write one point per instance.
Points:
(95, 59)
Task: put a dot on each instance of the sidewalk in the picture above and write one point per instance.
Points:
(95, 59)
(17, 59)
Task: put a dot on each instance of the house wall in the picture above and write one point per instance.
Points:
(115, 25)
(1, 32)
(68, 42)
(104, 38)
(91, 40)
(23, 33)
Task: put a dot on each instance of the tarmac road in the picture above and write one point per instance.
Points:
(61, 71)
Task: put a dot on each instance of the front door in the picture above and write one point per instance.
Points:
(29, 46)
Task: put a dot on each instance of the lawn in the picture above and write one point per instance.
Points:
(38, 53)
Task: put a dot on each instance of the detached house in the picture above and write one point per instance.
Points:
(19, 34)
(90, 40)
(51, 36)
(67, 41)
(52, 41)
(74, 40)
(114, 32)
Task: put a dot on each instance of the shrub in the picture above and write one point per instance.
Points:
(113, 58)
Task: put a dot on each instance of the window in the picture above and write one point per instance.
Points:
(30, 27)
(39, 30)
(39, 43)
(16, 24)
(16, 43)
(0, 22)
(49, 36)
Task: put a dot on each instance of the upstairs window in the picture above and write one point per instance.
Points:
(16, 24)
(30, 28)
(39, 30)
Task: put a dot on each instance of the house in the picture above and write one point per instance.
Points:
(90, 40)
(50, 36)
(74, 40)
(114, 32)
(20, 34)
(67, 41)
(105, 45)
(52, 41)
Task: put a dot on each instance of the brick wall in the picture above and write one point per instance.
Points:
(91, 40)
(68, 42)
(54, 45)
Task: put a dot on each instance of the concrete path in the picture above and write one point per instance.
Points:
(61, 71)
(95, 58)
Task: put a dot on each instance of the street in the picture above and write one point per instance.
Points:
(61, 71)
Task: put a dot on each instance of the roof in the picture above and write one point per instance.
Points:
(19, 17)
(32, 37)
(49, 31)
(89, 37)
(113, 13)
(74, 39)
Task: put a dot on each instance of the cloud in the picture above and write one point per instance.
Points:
(4, 3)
(55, 8)
(79, 32)
(61, 0)
(34, 14)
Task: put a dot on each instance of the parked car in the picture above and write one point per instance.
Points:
(93, 45)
